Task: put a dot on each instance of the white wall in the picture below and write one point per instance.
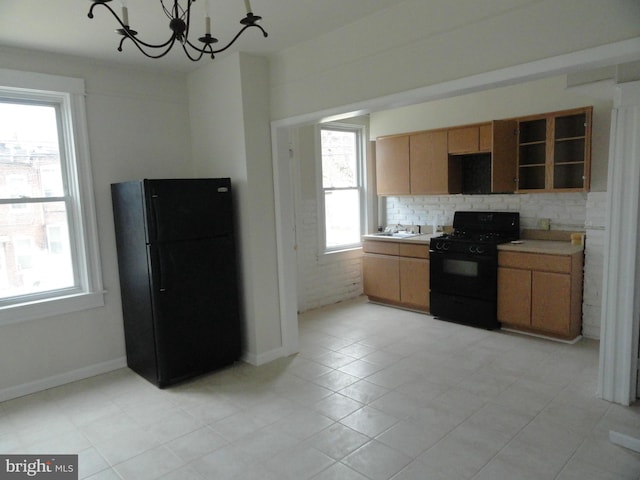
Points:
(229, 107)
(138, 126)
(438, 42)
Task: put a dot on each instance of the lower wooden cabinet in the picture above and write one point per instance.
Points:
(541, 293)
(396, 273)
(414, 282)
(381, 277)
(514, 296)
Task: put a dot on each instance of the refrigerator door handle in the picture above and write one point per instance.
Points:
(154, 217)
(161, 279)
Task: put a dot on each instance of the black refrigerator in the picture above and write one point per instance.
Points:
(178, 276)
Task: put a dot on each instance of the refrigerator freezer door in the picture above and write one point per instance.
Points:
(182, 209)
(195, 307)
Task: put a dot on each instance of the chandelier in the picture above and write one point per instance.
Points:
(179, 24)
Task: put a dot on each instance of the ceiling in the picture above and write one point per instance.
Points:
(62, 26)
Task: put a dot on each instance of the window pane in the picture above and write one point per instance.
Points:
(339, 159)
(29, 151)
(35, 249)
(342, 214)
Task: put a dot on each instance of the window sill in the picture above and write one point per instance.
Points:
(50, 307)
(349, 252)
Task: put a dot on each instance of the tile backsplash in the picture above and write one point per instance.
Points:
(566, 211)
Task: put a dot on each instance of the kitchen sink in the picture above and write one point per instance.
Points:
(396, 234)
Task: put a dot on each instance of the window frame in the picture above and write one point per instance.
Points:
(68, 94)
(360, 131)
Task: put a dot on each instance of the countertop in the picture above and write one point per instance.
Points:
(549, 247)
(422, 239)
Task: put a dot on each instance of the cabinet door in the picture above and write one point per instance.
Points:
(514, 296)
(571, 155)
(486, 137)
(392, 165)
(503, 156)
(551, 302)
(381, 276)
(414, 282)
(463, 140)
(429, 163)
(532, 154)
(554, 151)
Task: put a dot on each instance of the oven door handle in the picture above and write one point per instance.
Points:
(462, 255)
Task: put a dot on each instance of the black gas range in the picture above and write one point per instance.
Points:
(464, 267)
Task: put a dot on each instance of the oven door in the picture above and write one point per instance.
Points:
(463, 274)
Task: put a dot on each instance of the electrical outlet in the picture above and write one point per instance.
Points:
(544, 224)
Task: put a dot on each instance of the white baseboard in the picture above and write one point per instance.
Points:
(61, 379)
(262, 358)
(537, 335)
(626, 441)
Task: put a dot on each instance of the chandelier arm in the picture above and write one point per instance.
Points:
(180, 31)
(105, 5)
(187, 13)
(206, 49)
(233, 40)
(188, 54)
(124, 31)
(169, 46)
(136, 40)
(166, 12)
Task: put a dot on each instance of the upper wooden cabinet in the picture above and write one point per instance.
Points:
(470, 139)
(463, 140)
(392, 165)
(414, 164)
(488, 163)
(486, 137)
(554, 151)
(503, 161)
(429, 164)
(537, 153)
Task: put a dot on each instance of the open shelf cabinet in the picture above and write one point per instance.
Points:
(554, 151)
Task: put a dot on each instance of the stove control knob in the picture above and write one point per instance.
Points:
(480, 249)
(446, 246)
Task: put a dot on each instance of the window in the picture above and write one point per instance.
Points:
(16, 186)
(47, 223)
(342, 202)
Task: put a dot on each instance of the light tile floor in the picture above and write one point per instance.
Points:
(375, 393)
